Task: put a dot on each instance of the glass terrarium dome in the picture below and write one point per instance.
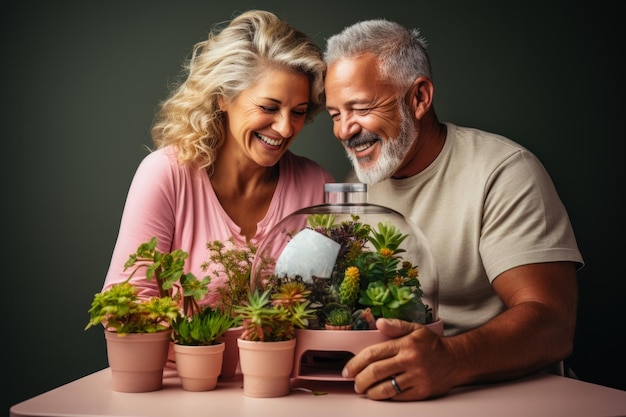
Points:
(359, 262)
(365, 259)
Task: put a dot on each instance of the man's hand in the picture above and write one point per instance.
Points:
(416, 357)
(535, 331)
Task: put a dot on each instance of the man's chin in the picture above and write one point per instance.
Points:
(367, 176)
(365, 169)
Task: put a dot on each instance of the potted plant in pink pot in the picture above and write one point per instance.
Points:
(198, 350)
(137, 331)
(267, 344)
(233, 264)
(196, 334)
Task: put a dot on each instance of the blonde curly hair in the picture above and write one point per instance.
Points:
(226, 63)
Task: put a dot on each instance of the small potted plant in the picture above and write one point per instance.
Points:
(337, 317)
(228, 260)
(140, 328)
(196, 334)
(231, 263)
(198, 351)
(270, 319)
(197, 331)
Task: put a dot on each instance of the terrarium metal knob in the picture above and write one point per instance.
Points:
(345, 193)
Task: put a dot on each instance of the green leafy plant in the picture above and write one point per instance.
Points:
(197, 325)
(235, 263)
(370, 277)
(201, 329)
(167, 268)
(120, 309)
(274, 314)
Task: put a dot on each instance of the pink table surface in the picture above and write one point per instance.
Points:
(539, 395)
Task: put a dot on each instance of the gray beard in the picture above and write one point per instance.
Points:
(392, 152)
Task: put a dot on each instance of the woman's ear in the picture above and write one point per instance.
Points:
(420, 96)
(221, 103)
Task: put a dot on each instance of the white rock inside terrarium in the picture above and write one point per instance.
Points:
(321, 255)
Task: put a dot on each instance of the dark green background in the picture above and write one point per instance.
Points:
(81, 80)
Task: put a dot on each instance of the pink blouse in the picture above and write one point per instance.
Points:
(178, 205)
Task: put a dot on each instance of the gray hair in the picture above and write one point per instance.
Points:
(401, 52)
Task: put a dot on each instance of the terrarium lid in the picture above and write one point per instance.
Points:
(345, 192)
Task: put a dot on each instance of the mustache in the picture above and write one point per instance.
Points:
(362, 138)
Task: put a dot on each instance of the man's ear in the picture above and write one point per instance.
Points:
(420, 96)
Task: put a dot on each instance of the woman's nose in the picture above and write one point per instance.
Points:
(284, 126)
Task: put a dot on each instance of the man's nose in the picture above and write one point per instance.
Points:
(345, 128)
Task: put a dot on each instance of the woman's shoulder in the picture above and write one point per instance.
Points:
(161, 156)
(165, 159)
(162, 164)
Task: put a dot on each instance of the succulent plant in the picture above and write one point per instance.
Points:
(370, 274)
(349, 287)
(201, 329)
(274, 314)
(337, 314)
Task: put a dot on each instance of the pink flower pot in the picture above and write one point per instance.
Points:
(231, 352)
(321, 354)
(137, 360)
(266, 367)
(199, 366)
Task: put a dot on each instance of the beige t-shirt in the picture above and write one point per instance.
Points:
(486, 204)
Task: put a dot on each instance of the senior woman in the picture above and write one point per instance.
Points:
(221, 167)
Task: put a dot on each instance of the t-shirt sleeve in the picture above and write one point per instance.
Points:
(524, 220)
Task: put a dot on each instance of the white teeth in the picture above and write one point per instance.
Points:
(268, 140)
(363, 146)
